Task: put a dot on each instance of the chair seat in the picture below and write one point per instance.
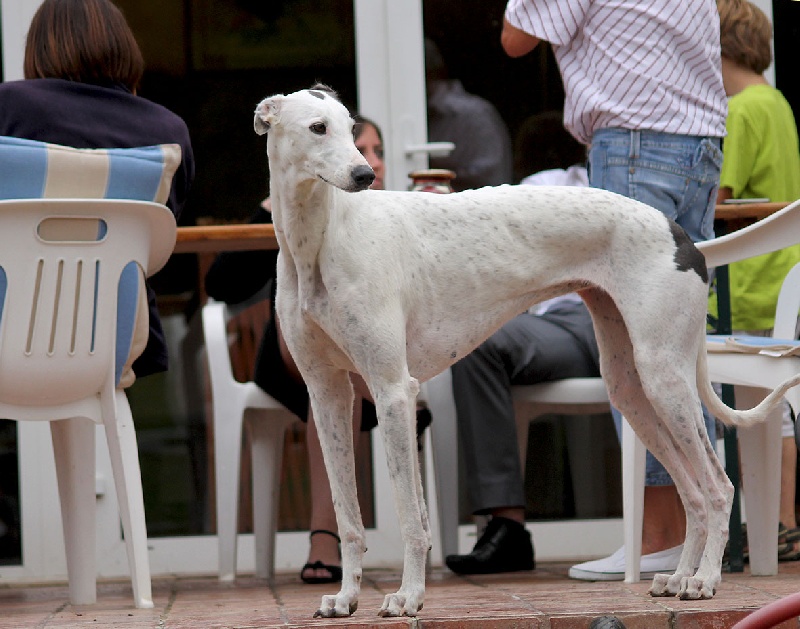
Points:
(584, 396)
(749, 344)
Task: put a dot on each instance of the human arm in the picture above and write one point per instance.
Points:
(515, 41)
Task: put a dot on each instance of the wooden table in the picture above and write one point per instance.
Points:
(243, 237)
(748, 211)
(216, 238)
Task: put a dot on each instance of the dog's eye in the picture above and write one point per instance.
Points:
(319, 128)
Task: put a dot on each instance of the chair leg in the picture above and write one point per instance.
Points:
(444, 434)
(124, 453)
(73, 447)
(227, 455)
(760, 448)
(633, 463)
(267, 435)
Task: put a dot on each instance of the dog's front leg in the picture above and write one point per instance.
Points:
(395, 405)
(331, 393)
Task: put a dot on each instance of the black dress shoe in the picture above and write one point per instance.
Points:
(505, 546)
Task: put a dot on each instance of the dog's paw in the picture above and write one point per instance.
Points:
(336, 607)
(684, 587)
(665, 585)
(695, 588)
(400, 604)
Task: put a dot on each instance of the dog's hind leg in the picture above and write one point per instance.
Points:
(632, 385)
(331, 394)
(396, 404)
(698, 474)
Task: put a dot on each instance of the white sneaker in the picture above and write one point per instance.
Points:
(612, 568)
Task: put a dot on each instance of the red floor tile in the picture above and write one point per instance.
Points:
(543, 599)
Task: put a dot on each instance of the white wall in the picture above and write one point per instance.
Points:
(16, 16)
(766, 7)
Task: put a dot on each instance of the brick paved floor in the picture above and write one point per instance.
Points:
(543, 599)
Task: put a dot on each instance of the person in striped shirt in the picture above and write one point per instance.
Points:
(643, 90)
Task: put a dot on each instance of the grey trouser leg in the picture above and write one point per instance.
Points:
(526, 350)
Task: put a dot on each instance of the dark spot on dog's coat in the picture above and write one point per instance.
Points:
(319, 95)
(687, 256)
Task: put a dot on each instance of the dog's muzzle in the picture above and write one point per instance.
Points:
(362, 177)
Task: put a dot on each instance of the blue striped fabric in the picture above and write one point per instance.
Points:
(135, 173)
(3, 289)
(23, 169)
(34, 170)
(127, 301)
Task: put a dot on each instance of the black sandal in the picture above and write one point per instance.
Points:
(335, 571)
(788, 535)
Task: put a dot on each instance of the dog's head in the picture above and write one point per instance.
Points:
(312, 131)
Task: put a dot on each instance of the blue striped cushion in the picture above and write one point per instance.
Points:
(35, 170)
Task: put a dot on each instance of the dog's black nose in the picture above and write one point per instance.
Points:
(363, 177)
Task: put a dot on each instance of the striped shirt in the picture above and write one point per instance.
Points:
(633, 64)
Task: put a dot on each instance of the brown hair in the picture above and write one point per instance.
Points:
(361, 121)
(87, 41)
(745, 34)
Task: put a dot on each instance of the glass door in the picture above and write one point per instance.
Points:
(211, 61)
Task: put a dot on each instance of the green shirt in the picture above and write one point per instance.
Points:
(760, 159)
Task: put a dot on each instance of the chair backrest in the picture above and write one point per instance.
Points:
(69, 281)
(221, 360)
(778, 231)
(215, 332)
(788, 305)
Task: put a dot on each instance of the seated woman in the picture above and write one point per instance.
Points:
(82, 69)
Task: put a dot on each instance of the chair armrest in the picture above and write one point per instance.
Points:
(775, 232)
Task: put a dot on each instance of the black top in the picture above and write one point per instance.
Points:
(81, 115)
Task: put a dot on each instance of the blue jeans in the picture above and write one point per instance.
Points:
(678, 175)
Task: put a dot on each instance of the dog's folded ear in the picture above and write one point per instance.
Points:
(267, 113)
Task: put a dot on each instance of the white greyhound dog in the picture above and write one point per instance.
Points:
(397, 286)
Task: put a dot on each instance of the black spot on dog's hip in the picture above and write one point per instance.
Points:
(687, 256)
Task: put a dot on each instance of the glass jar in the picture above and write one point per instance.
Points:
(432, 180)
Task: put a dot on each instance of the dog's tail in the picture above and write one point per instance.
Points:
(731, 416)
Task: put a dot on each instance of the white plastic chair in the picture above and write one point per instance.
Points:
(753, 374)
(235, 402)
(58, 337)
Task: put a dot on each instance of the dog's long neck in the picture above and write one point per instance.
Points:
(300, 214)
